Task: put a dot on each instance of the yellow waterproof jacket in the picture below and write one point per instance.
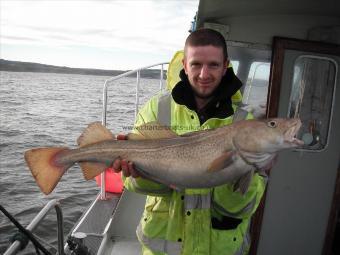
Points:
(193, 221)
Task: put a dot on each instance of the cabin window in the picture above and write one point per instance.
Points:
(311, 98)
(256, 89)
(235, 65)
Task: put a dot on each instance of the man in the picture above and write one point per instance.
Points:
(195, 221)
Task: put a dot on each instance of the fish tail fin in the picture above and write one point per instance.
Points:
(94, 133)
(43, 166)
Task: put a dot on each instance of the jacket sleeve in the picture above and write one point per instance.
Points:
(148, 113)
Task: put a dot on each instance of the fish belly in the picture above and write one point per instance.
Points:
(192, 173)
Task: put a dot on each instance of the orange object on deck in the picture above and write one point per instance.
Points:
(113, 181)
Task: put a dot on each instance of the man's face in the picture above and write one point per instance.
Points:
(204, 66)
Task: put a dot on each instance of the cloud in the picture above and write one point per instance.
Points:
(136, 26)
(19, 38)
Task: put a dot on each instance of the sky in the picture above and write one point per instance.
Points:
(102, 34)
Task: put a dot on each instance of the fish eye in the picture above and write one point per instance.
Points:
(272, 124)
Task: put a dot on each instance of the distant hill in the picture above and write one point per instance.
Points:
(18, 66)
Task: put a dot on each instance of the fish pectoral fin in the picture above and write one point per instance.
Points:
(94, 133)
(92, 169)
(244, 182)
(221, 162)
(154, 130)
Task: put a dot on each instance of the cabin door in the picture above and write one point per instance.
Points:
(300, 204)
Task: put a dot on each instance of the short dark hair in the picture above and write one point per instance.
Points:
(205, 37)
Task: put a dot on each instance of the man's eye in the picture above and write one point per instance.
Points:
(214, 65)
(195, 65)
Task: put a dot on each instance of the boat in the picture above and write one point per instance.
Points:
(287, 54)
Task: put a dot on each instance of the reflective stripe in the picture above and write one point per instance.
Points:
(248, 208)
(161, 191)
(164, 109)
(240, 114)
(197, 201)
(157, 244)
(246, 242)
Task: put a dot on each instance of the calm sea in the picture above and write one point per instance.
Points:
(42, 109)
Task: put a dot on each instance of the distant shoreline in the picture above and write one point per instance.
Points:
(18, 66)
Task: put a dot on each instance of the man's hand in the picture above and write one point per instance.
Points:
(122, 165)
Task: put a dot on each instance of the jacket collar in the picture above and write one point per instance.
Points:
(220, 106)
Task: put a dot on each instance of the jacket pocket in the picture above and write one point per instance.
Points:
(225, 242)
(225, 223)
(155, 217)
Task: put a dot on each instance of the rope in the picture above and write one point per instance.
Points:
(24, 231)
(18, 236)
(50, 246)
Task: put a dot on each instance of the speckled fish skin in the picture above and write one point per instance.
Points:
(186, 161)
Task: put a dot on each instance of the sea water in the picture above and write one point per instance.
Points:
(47, 109)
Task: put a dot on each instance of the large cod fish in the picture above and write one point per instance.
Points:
(200, 159)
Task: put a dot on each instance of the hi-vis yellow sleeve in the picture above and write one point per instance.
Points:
(141, 185)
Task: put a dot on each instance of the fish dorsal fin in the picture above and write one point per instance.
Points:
(221, 162)
(95, 132)
(154, 130)
(244, 182)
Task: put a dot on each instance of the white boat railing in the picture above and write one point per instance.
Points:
(111, 81)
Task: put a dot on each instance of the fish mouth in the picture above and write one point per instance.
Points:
(290, 136)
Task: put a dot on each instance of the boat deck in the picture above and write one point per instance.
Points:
(111, 229)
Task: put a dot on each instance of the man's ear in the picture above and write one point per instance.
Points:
(226, 64)
(184, 62)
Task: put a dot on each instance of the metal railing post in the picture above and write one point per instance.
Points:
(137, 93)
(252, 80)
(60, 230)
(161, 78)
(102, 175)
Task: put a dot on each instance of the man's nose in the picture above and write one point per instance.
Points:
(204, 72)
